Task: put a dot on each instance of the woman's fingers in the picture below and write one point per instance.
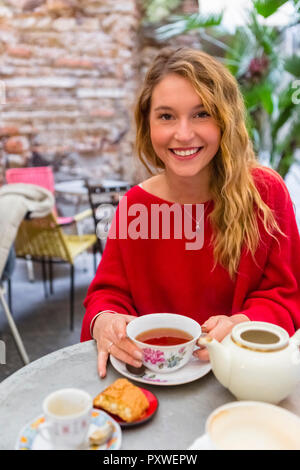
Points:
(119, 325)
(123, 350)
(211, 323)
(102, 361)
(201, 354)
(222, 329)
(130, 348)
(123, 342)
(123, 356)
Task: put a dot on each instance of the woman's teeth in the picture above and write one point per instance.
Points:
(185, 153)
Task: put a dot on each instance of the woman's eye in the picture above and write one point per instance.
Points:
(202, 114)
(165, 116)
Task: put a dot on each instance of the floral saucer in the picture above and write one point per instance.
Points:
(30, 439)
(193, 370)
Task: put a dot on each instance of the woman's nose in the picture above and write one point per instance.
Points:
(184, 132)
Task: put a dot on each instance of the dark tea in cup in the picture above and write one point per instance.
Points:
(164, 337)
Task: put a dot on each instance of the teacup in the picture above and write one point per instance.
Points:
(68, 415)
(250, 425)
(164, 359)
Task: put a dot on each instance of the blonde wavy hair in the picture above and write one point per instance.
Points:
(233, 219)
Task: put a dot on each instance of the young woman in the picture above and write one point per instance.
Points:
(245, 261)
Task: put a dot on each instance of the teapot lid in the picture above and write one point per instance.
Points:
(260, 336)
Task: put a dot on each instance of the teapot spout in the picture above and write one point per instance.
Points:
(220, 359)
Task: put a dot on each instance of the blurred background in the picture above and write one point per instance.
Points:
(69, 75)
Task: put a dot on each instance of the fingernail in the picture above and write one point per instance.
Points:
(138, 355)
(138, 364)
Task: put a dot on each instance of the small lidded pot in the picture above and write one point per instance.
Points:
(167, 340)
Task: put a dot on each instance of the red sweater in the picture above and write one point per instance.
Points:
(143, 276)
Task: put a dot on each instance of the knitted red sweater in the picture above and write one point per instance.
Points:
(146, 275)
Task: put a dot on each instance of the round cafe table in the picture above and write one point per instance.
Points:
(179, 420)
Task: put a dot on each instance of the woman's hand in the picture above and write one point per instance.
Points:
(218, 327)
(110, 333)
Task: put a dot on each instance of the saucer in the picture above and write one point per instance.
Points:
(193, 370)
(201, 443)
(149, 413)
(30, 439)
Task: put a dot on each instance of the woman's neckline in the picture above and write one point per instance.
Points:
(171, 202)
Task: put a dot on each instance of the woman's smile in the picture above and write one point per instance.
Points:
(186, 154)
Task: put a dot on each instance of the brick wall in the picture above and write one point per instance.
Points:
(71, 69)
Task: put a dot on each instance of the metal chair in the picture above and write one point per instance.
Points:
(43, 240)
(5, 276)
(104, 197)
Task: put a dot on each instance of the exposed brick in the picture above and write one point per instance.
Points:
(102, 112)
(8, 131)
(19, 51)
(16, 145)
(75, 62)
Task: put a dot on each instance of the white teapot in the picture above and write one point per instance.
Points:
(256, 361)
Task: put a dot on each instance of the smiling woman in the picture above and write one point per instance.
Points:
(183, 134)
(191, 136)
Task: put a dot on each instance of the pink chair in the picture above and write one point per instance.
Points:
(41, 176)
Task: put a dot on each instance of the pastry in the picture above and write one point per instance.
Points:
(123, 399)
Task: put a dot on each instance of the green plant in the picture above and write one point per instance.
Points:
(267, 78)
(157, 10)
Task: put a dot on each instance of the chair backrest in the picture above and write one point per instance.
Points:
(99, 196)
(40, 175)
(41, 238)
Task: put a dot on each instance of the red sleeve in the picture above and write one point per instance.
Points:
(109, 289)
(277, 298)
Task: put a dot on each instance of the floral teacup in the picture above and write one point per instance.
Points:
(164, 359)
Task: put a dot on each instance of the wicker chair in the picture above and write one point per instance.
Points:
(43, 240)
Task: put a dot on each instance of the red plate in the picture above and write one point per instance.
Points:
(149, 413)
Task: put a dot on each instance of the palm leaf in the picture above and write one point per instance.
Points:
(181, 24)
(240, 52)
(283, 151)
(292, 65)
(266, 8)
(266, 36)
(286, 108)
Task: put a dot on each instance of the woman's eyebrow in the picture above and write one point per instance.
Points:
(168, 108)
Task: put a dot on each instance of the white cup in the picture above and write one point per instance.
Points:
(250, 425)
(164, 359)
(68, 415)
